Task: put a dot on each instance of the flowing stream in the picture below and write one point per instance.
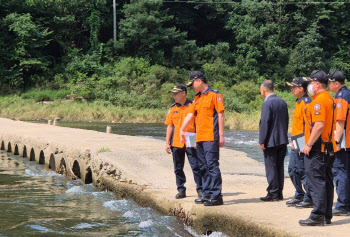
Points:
(35, 201)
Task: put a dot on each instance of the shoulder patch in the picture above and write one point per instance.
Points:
(338, 105)
(219, 99)
(317, 107)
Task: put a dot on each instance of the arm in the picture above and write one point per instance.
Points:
(316, 132)
(339, 128)
(264, 124)
(185, 123)
(169, 131)
(221, 121)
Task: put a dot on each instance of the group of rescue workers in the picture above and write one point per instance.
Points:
(320, 153)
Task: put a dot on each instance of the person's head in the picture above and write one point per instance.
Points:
(336, 80)
(298, 86)
(318, 82)
(197, 81)
(266, 88)
(179, 92)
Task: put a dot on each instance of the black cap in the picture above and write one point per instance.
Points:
(299, 81)
(196, 75)
(336, 76)
(178, 88)
(319, 75)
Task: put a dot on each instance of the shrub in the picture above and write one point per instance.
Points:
(43, 95)
(219, 71)
(246, 91)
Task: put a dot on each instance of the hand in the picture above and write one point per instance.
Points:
(262, 146)
(306, 150)
(168, 148)
(182, 136)
(221, 141)
(338, 147)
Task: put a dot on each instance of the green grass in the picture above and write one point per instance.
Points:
(104, 149)
(45, 95)
(15, 107)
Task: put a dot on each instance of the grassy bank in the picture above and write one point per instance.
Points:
(27, 109)
(15, 107)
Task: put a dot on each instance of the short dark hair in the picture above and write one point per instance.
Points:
(305, 88)
(268, 85)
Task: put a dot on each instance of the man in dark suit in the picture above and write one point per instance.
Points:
(273, 139)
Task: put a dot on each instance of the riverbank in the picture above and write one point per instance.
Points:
(139, 168)
(14, 107)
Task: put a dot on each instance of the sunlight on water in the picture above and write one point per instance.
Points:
(39, 202)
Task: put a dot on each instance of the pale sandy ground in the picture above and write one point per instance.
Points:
(145, 162)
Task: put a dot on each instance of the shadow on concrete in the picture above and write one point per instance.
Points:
(233, 194)
(341, 222)
(249, 200)
(237, 201)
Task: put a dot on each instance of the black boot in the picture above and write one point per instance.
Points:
(304, 205)
(180, 195)
(214, 201)
(201, 200)
(312, 222)
(293, 202)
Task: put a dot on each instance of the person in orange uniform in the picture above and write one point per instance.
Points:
(208, 109)
(176, 114)
(296, 168)
(318, 150)
(341, 166)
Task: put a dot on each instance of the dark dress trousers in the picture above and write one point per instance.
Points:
(273, 133)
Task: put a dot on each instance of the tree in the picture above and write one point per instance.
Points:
(257, 29)
(28, 40)
(144, 32)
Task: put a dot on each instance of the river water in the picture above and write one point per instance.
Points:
(35, 201)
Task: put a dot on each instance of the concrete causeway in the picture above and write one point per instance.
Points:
(139, 168)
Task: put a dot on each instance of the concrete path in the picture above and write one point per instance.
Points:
(143, 161)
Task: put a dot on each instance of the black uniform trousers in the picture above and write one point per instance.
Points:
(179, 163)
(318, 168)
(208, 155)
(296, 170)
(341, 174)
(274, 167)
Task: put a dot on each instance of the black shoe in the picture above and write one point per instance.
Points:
(337, 212)
(280, 196)
(201, 200)
(304, 205)
(214, 202)
(269, 198)
(293, 202)
(200, 193)
(180, 195)
(328, 221)
(311, 222)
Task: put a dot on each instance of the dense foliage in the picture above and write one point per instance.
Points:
(67, 45)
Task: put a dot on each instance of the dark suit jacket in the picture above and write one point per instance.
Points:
(273, 128)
